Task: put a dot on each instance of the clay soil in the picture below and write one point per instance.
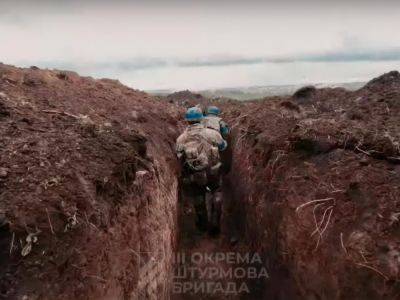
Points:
(316, 177)
(88, 174)
(89, 191)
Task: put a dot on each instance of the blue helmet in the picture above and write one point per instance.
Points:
(213, 110)
(194, 114)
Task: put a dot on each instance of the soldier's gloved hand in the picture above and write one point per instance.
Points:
(224, 129)
(222, 146)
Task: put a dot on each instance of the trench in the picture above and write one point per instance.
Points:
(265, 277)
(5, 238)
(99, 257)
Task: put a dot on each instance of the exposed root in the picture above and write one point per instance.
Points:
(363, 151)
(342, 243)
(373, 269)
(90, 223)
(320, 228)
(360, 263)
(363, 256)
(314, 201)
(60, 113)
(394, 159)
(326, 226)
(317, 227)
(329, 219)
(12, 243)
(272, 168)
(51, 225)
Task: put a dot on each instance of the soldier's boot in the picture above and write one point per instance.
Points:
(201, 213)
(215, 213)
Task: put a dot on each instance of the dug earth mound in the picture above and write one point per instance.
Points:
(317, 187)
(89, 192)
(88, 186)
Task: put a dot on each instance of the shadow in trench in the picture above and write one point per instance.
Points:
(5, 261)
(236, 227)
(222, 261)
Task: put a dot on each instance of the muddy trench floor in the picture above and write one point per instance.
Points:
(200, 254)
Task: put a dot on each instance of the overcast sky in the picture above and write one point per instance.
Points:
(201, 44)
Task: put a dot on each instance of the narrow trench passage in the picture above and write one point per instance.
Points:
(5, 237)
(228, 262)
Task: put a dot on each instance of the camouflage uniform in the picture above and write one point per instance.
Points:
(216, 123)
(209, 139)
(198, 149)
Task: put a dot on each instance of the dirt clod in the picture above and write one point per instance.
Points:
(3, 172)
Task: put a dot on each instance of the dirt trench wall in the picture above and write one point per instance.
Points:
(345, 244)
(88, 188)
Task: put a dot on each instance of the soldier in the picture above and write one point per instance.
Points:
(198, 149)
(213, 121)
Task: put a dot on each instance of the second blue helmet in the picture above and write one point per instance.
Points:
(213, 110)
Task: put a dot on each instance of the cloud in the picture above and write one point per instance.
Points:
(215, 62)
(354, 55)
(143, 63)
